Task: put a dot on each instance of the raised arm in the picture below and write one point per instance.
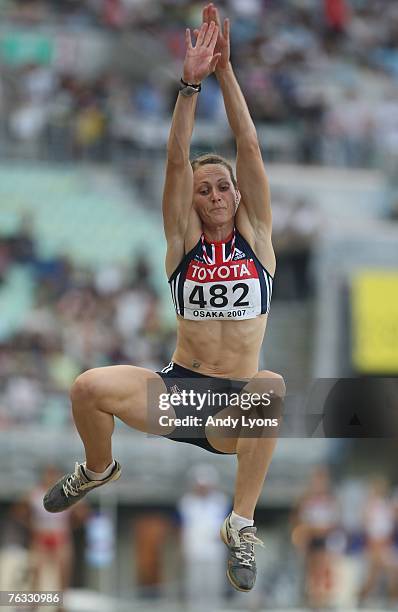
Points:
(251, 176)
(200, 61)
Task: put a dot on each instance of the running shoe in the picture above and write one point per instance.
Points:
(71, 488)
(241, 570)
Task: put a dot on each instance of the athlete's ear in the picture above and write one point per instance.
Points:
(237, 198)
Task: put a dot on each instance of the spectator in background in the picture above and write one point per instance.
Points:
(349, 131)
(296, 225)
(379, 523)
(202, 510)
(352, 495)
(51, 542)
(315, 520)
(336, 18)
(90, 130)
(22, 243)
(27, 119)
(150, 532)
(24, 393)
(14, 556)
(100, 551)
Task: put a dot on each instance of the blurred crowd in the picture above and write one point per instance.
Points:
(339, 551)
(80, 319)
(320, 75)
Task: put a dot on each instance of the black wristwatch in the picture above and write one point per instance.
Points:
(189, 89)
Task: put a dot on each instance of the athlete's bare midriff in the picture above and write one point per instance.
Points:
(227, 349)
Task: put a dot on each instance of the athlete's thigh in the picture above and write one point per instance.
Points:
(131, 393)
(260, 399)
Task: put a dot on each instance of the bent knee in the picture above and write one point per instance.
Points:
(86, 387)
(271, 386)
(272, 381)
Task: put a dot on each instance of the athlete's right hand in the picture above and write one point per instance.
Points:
(200, 60)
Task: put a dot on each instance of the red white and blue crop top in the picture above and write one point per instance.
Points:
(221, 280)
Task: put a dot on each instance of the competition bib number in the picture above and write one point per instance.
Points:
(236, 290)
(219, 296)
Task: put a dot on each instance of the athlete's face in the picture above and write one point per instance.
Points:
(214, 195)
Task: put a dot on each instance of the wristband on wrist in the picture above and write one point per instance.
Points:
(189, 89)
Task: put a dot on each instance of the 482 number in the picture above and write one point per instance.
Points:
(218, 295)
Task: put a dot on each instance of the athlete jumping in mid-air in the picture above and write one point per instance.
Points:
(220, 263)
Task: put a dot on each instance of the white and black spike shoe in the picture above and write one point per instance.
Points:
(242, 570)
(71, 488)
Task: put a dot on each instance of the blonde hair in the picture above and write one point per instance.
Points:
(213, 158)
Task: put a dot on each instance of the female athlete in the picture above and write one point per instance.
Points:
(220, 264)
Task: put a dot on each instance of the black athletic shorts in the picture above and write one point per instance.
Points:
(178, 379)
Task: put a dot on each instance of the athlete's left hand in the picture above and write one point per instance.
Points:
(210, 13)
(200, 60)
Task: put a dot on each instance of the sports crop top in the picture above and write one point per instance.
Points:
(221, 280)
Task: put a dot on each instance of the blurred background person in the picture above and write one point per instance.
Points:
(315, 521)
(200, 509)
(100, 547)
(379, 523)
(15, 569)
(51, 545)
(151, 530)
(351, 492)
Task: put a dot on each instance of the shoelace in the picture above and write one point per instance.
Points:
(244, 546)
(245, 555)
(74, 484)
